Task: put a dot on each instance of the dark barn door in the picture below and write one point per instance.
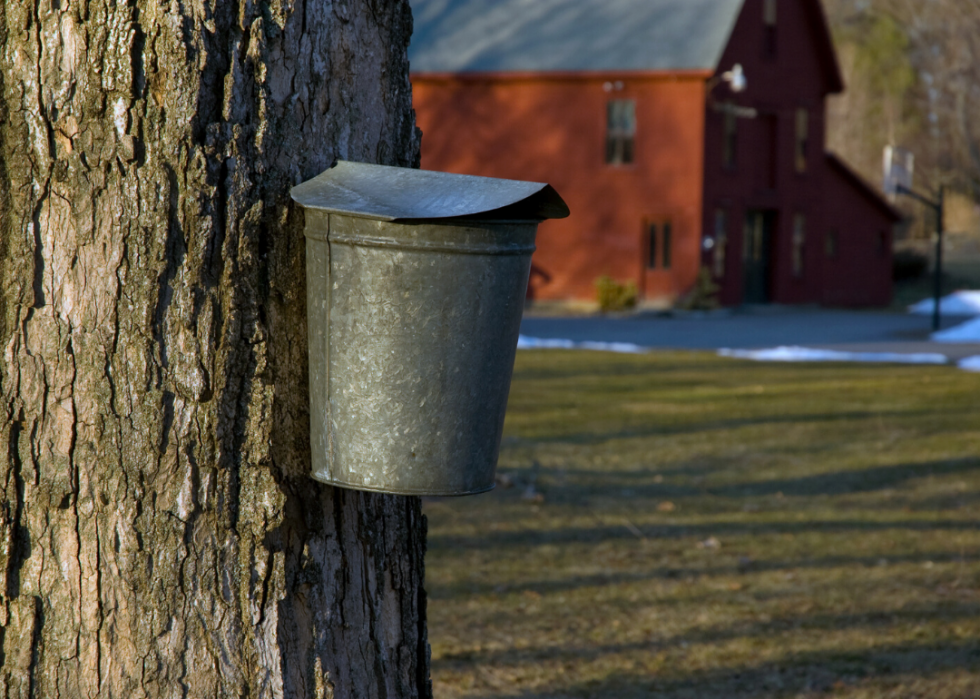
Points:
(757, 249)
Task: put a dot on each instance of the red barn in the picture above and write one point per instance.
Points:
(625, 107)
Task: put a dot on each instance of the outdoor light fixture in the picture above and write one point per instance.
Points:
(737, 83)
(735, 78)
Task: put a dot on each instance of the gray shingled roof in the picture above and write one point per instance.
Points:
(453, 36)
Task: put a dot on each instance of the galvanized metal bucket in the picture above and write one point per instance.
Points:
(415, 285)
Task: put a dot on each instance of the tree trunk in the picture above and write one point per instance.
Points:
(159, 533)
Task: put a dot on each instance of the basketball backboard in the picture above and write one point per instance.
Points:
(898, 165)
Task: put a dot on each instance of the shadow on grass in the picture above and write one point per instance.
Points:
(716, 634)
(599, 534)
(941, 503)
(801, 672)
(837, 483)
(639, 483)
(566, 584)
(856, 481)
(665, 428)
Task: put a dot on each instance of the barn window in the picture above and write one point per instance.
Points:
(799, 238)
(721, 241)
(730, 138)
(661, 252)
(620, 131)
(802, 138)
(832, 243)
(652, 246)
(769, 29)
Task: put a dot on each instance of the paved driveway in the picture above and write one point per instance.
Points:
(865, 331)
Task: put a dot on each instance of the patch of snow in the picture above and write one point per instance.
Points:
(773, 354)
(959, 303)
(621, 347)
(964, 332)
(807, 354)
(524, 342)
(970, 364)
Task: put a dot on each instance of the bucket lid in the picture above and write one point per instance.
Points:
(387, 193)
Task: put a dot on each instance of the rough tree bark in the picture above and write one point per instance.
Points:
(158, 534)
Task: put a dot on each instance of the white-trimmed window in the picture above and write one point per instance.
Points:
(802, 138)
(798, 243)
(729, 138)
(769, 29)
(660, 244)
(620, 131)
(831, 246)
(721, 242)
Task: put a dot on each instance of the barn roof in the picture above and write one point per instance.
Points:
(485, 36)
(869, 191)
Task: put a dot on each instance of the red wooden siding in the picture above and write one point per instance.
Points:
(553, 129)
(764, 177)
(858, 272)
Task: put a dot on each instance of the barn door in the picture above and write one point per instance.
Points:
(757, 254)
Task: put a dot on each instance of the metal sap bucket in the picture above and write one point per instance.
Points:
(415, 288)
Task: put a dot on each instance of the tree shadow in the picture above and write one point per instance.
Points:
(853, 481)
(717, 634)
(469, 588)
(575, 485)
(701, 426)
(601, 534)
(816, 671)
(830, 484)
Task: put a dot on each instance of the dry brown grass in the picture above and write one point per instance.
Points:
(705, 528)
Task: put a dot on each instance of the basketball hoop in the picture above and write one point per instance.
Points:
(898, 166)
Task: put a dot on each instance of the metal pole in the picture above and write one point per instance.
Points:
(938, 271)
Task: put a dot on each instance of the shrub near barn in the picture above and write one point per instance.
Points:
(615, 296)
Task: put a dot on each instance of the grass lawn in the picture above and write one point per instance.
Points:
(682, 525)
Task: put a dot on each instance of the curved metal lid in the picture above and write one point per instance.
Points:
(388, 193)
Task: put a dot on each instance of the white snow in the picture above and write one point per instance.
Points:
(807, 354)
(970, 364)
(524, 342)
(964, 332)
(959, 303)
(783, 353)
(622, 347)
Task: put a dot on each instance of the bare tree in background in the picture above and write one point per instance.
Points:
(912, 69)
(159, 534)
(947, 53)
(873, 110)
